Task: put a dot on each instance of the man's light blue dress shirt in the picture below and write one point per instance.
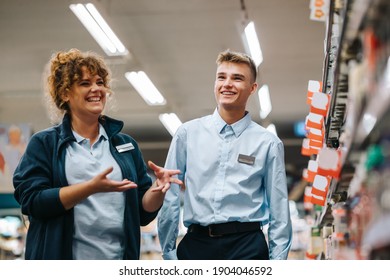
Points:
(221, 189)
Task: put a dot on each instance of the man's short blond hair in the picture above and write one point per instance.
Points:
(237, 57)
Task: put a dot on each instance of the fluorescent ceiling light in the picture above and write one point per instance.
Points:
(99, 29)
(171, 122)
(252, 42)
(145, 88)
(272, 129)
(265, 101)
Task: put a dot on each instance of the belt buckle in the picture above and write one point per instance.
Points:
(211, 234)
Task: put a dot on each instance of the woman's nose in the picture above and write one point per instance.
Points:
(95, 87)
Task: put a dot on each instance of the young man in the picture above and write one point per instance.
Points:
(235, 179)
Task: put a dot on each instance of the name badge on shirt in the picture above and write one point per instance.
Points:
(124, 147)
(246, 159)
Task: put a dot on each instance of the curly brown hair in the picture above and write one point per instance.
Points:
(64, 69)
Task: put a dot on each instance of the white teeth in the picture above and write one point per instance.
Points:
(93, 99)
(228, 93)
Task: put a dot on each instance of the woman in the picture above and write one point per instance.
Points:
(84, 184)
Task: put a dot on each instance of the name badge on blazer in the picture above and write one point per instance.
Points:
(246, 159)
(124, 147)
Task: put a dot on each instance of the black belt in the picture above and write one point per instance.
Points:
(217, 230)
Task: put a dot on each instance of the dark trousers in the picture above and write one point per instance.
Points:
(239, 246)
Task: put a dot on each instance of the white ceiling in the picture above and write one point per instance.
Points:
(176, 43)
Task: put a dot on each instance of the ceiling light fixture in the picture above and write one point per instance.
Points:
(265, 101)
(272, 128)
(170, 121)
(251, 41)
(99, 29)
(144, 86)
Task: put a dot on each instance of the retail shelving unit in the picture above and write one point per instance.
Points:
(357, 77)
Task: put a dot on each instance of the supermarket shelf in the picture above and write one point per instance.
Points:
(349, 16)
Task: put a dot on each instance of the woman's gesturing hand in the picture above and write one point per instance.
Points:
(103, 184)
(164, 177)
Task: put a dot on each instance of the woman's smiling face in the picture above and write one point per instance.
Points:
(87, 96)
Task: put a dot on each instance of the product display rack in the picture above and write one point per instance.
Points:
(357, 77)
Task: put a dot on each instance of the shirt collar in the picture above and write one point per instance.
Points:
(238, 127)
(102, 133)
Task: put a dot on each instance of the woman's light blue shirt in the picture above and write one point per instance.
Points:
(99, 219)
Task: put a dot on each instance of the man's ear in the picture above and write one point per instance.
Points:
(254, 87)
